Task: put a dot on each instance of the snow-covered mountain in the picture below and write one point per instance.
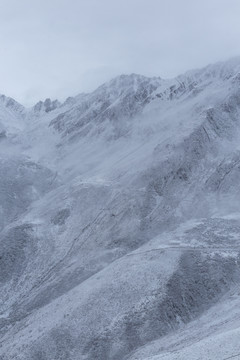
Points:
(120, 221)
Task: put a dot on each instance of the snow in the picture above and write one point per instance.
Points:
(120, 221)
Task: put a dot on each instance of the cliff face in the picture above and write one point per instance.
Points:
(120, 220)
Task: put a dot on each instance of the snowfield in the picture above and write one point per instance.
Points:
(120, 221)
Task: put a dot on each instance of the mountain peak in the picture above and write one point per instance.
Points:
(11, 104)
(46, 106)
(130, 80)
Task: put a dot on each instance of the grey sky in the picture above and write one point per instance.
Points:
(58, 48)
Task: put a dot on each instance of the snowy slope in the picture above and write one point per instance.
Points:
(120, 221)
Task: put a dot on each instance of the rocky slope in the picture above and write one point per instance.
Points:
(120, 221)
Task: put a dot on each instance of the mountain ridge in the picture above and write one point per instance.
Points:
(227, 67)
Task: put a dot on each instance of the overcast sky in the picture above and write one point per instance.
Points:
(59, 48)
